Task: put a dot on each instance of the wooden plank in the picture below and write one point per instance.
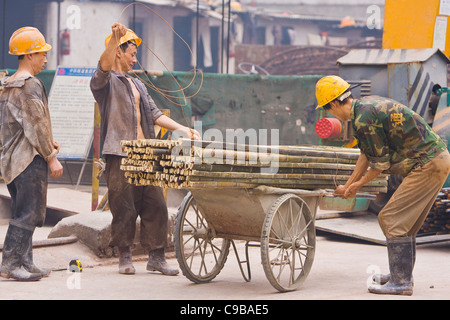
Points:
(359, 226)
(364, 226)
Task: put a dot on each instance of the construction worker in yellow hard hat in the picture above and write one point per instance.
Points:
(28, 152)
(121, 49)
(395, 140)
(129, 36)
(129, 113)
(330, 88)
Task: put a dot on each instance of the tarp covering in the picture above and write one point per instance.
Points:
(286, 103)
(221, 101)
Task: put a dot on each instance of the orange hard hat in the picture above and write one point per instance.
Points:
(329, 88)
(27, 40)
(129, 36)
(347, 22)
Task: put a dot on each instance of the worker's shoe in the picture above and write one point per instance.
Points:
(15, 248)
(29, 265)
(157, 262)
(125, 261)
(384, 278)
(401, 262)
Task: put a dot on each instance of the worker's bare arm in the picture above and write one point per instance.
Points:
(108, 56)
(166, 122)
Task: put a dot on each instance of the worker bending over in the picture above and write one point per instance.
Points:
(393, 139)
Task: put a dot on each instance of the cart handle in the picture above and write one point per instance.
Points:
(358, 196)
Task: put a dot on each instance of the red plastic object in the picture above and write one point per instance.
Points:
(328, 128)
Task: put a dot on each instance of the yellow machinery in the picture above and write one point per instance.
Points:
(417, 24)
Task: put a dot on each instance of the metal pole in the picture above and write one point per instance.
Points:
(222, 36)
(4, 34)
(134, 18)
(58, 34)
(196, 34)
(228, 38)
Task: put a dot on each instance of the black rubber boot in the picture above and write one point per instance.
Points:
(29, 265)
(15, 248)
(157, 262)
(384, 278)
(125, 261)
(401, 262)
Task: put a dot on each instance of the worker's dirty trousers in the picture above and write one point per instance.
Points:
(29, 195)
(127, 202)
(410, 204)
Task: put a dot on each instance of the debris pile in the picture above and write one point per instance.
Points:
(186, 164)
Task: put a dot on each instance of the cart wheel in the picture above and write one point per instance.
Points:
(288, 243)
(201, 256)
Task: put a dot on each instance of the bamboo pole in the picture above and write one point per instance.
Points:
(95, 158)
(205, 164)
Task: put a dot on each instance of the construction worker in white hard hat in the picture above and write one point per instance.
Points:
(129, 113)
(392, 139)
(28, 152)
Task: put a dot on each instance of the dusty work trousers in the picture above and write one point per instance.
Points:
(29, 195)
(127, 202)
(410, 204)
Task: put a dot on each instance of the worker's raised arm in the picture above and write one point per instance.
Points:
(108, 56)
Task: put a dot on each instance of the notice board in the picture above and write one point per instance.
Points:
(71, 105)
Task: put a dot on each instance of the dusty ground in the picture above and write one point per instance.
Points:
(340, 271)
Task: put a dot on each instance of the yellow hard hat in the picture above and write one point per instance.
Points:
(329, 88)
(236, 6)
(27, 40)
(129, 36)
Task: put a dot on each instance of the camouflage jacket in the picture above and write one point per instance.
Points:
(25, 126)
(394, 138)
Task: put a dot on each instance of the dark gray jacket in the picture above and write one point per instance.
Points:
(115, 99)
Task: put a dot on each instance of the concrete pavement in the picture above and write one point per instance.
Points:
(340, 271)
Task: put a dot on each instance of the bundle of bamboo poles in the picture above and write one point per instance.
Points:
(186, 164)
(438, 219)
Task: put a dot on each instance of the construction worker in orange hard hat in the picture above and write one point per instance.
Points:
(27, 40)
(28, 153)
